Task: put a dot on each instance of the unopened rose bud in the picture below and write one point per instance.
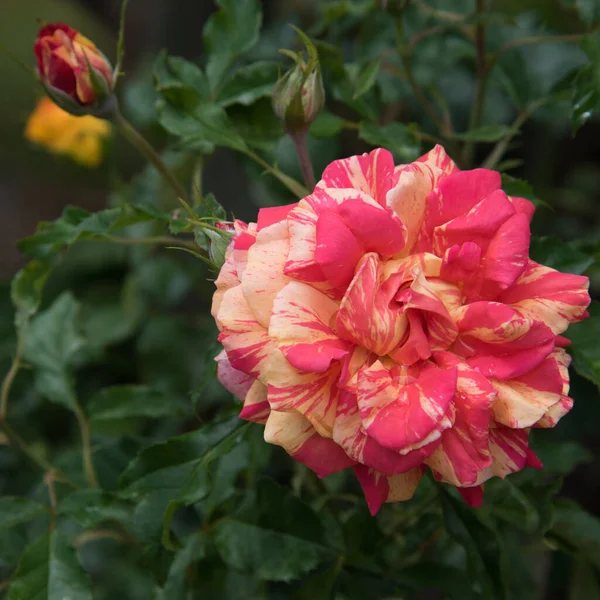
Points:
(299, 95)
(74, 73)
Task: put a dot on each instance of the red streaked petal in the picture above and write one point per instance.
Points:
(337, 250)
(406, 415)
(313, 395)
(541, 293)
(369, 173)
(379, 489)
(300, 440)
(273, 214)
(374, 227)
(365, 316)
(264, 276)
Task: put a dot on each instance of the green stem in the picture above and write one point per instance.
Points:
(299, 138)
(137, 140)
(404, 51)
(481, 74)
(534, 40)
(157, 240)
(86, 446)
(8, 380)
(18, 442)
(500, 148)
(291, 184)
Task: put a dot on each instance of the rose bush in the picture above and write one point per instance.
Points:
(392, 321)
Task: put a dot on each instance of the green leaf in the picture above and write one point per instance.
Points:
(52, 345)
(586, 89)
(229, 33)
(436, 576)
(395, 137)
(193, 449)
(200, 482)
(481, 542)
(487, 133)
(200, 128)
(194, 550)
(180, 80)
(584, 584)
(327, 125)
(91, 507)
(125, 401)
(553, 252)
(577, 530)
(249, 83)
(269, 555)
(26, 292)
(521, 188)
(584, 344)
(77, 224)
(49, 570)
(14, 510)
(366, 78)
(559, 457)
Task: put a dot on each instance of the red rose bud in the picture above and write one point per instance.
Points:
(299, 95)
(74, 73)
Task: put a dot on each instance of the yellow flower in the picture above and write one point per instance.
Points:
(62, 133)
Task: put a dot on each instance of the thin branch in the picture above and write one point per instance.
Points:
(290, 183)
(481, 73)
(442, 15)
(9, 379)
(530, 41)
(140, 142)
(501, 146)
(86, 446)
(155, 240)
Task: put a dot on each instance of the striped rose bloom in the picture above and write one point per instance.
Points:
(392, 321)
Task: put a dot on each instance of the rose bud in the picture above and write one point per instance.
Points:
(74, 73)
(299, 95)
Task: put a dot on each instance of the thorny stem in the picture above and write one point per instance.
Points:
(137, 140)
(299, 138)
(481, 80)
(86, 446)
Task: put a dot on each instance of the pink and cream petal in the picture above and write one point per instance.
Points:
(264, 276)
(234, 381)
(300, 325)
(464, 449)
(256, 407)
(495, 339)
(524, 400)
(314, 395)
(247, 343)
(369, 173)
(349, 434)
(300, 440)
(554, 298)
(365, 316)
(404, 413)
(379, 489)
